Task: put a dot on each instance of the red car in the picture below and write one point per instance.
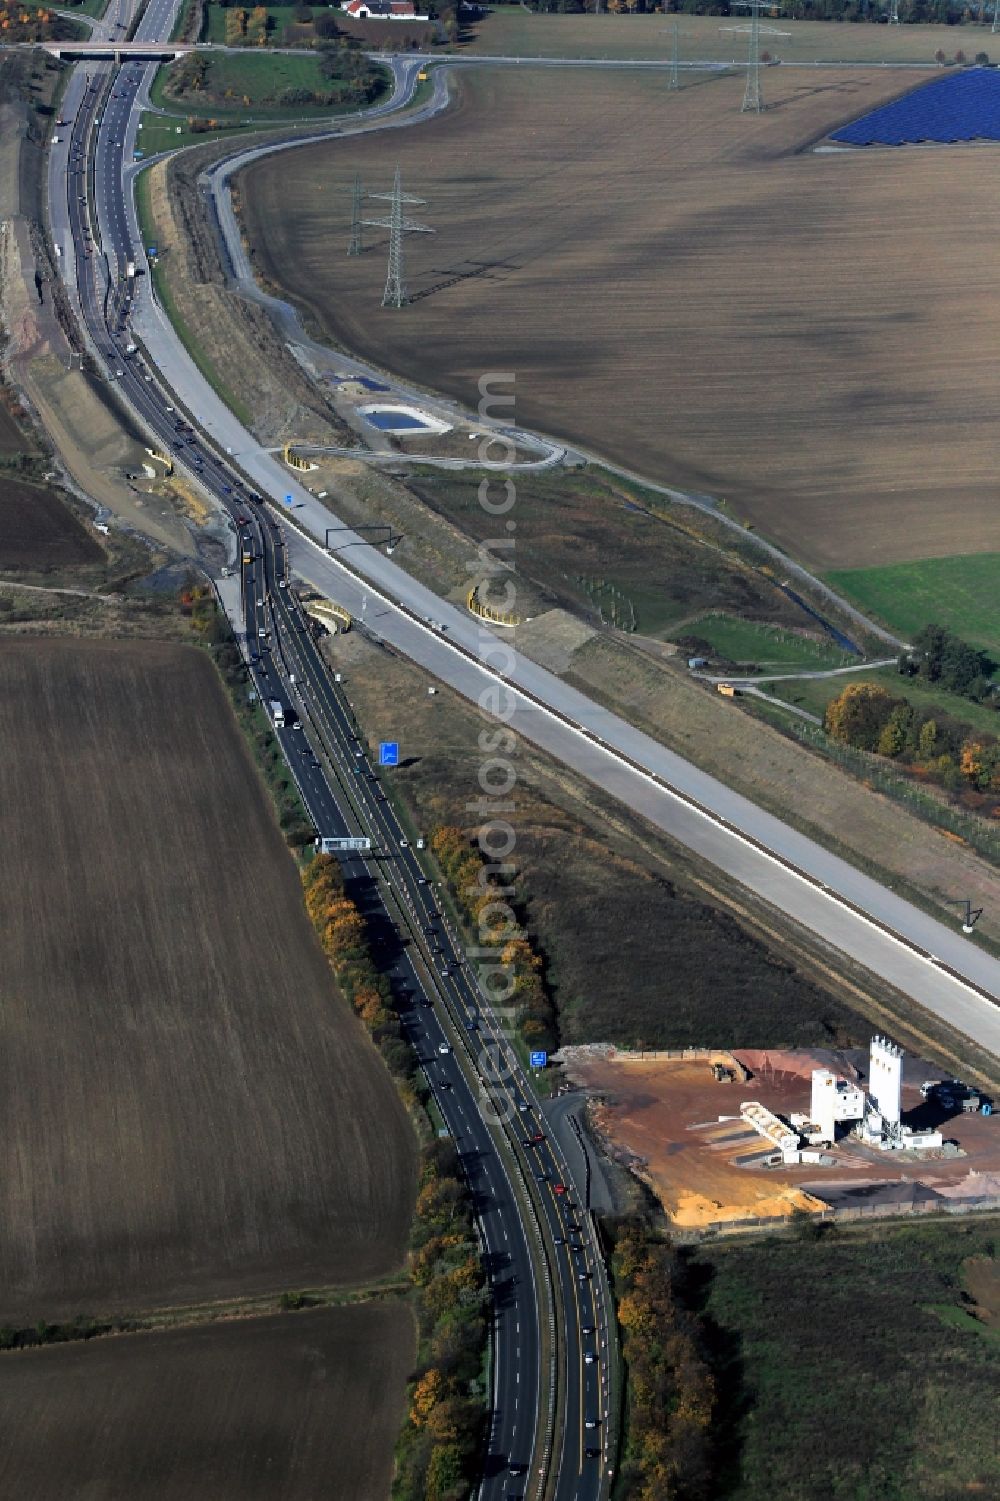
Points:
(559, 1188)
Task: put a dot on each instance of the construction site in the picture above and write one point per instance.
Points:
(728, 1139)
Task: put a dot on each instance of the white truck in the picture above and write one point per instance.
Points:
(278, 713)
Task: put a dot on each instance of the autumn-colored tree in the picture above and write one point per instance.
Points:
(858, 715)
(927, 740)
(426, 1394)
(446, 1480)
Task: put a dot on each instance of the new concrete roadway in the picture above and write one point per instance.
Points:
(935, 964)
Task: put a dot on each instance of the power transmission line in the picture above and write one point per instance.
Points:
(398, 225)
(753, 100)
(355, 247)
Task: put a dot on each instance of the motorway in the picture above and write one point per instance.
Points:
(925, 959)
(552, 1331)
(855, 914)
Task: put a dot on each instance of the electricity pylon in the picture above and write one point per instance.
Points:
(753, 102)
(398, 226)
(894, 13)
(355, 246)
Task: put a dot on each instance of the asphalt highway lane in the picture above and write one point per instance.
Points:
(518, 1458)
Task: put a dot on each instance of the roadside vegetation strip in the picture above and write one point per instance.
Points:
(438, 1453)
(480, 897)
(160, 275)
(978, 832)
(669, 1445)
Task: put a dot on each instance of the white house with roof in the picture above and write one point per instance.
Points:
(382, 10)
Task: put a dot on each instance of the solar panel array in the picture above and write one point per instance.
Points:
(962, 106)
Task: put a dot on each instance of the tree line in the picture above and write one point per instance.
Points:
(934, 745)
(438, 1450)
(671, 1390)
(490, 906)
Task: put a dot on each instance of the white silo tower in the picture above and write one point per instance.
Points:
(885, 1079)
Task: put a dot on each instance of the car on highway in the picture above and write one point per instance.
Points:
(592, 1453)
(590, 1423)
(444, 1048)
(559, 1188)
(588, 1357)
(583, 1276)
(296, 725)
(586, 1329)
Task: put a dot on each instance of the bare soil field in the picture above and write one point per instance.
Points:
(38, 532)
(11, 437)
(663, 1116)
(187, 1105)
(792, 332)
(261, 1408)
(514, 31)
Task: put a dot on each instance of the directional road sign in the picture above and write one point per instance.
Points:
(539, 1059)
(388, 753)
(289, 500)
(330, 846)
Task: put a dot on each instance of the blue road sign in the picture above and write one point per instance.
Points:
(289, 499)
(539, 1059)
(388, 753)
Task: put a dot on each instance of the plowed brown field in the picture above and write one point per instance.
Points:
(297, 1407)
(38, 531)
(187, 1106)
(687, 290)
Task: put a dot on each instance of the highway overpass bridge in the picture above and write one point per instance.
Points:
(119, 52)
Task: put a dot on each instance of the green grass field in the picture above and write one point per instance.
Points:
(818, 1342)
(170, 133)
(85, 8)
(764, 646)
(815, 693)
(960, 592)
(258, 76)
